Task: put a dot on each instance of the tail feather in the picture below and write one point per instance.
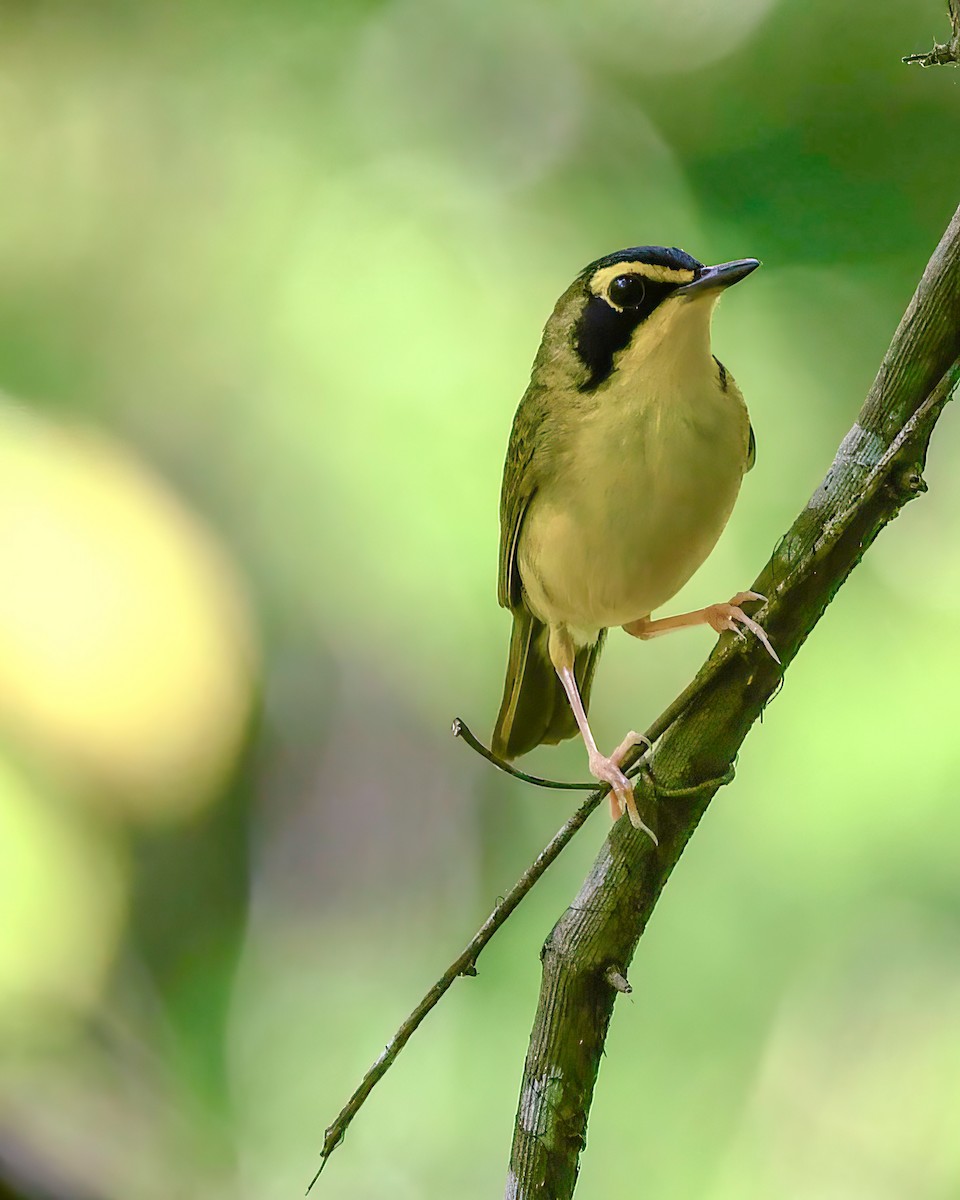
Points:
(535, 710)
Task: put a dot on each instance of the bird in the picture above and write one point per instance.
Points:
(624, 461)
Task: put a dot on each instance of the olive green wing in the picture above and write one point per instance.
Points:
(518, 489)
(534, 709)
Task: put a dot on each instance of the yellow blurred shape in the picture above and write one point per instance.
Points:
(61, 902)
(125, 650)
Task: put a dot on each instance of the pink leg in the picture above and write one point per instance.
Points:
(603, 767)
(720, 617)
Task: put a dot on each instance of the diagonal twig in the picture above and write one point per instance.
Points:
(460, 729)
(466, 962)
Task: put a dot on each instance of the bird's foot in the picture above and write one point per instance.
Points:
(730, 616)
(632, 739)
(607, 770)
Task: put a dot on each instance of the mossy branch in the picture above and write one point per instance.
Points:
(877, 469)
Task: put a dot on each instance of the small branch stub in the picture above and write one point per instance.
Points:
(617, 980)
(910, 482)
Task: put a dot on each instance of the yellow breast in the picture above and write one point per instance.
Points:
(645, 481)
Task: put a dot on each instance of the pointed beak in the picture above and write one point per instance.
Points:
(716, 278)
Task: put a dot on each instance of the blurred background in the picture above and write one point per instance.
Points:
(271, 280)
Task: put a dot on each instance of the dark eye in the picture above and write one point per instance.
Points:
(626, 291)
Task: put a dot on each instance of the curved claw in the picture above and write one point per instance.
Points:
(723, 617)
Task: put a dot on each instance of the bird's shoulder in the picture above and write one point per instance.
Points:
(728, 385)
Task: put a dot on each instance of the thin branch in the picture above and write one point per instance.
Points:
(460, 729)
(943, 53)
(466, 962)
(877, 469)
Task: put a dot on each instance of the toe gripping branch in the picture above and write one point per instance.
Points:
(461, 730)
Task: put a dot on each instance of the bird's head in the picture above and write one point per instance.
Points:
(632, 303)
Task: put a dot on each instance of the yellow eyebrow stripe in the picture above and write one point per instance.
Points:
(600, 280)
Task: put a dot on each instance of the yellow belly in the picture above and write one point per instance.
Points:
(639, 504)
